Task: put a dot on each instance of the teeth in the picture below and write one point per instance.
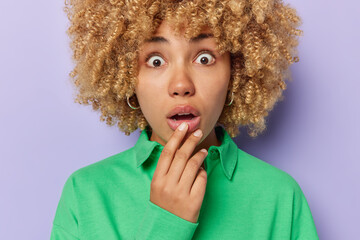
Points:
(180, 114)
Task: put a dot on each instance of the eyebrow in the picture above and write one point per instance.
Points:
(201, 36)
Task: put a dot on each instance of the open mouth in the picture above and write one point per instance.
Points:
(183, 116)
(192, 121)
(184, 113)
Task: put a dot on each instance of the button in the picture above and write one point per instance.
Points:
(214, 155)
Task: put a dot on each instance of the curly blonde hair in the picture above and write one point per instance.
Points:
(261, 36)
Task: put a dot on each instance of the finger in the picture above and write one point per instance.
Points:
(169, 150)
(182, 157)
(191, 170)
(199, 186)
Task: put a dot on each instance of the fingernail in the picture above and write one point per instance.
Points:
(182, 126)
(197, 133)
(204, 150)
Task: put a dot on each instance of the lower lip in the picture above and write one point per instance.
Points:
(193, 123)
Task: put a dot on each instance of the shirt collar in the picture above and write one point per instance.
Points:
(227, 151)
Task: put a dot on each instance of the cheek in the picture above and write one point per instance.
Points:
(150, 80)
(149, 98)
(216, 85)
(213, 98)
(215, 92)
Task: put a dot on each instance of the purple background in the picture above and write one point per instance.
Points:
(44, 137)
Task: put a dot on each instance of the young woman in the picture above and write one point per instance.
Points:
(188, 74)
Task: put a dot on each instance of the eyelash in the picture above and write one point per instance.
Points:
(200, 53)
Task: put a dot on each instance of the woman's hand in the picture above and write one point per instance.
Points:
(179, 184)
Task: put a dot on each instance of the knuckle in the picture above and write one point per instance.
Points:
(203, 175)
(166, 152)
(181, 191)
(166, 191)
(181, 155)
(193, 165)
(155, 184)
(178, 197)
(158, 182)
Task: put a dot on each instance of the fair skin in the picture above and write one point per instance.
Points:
(174, 71)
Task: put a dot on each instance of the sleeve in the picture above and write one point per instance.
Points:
(158, 223)
(303, 226)
(65, 224)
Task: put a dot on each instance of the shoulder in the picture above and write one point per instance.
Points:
(104, 170)
(264, 175)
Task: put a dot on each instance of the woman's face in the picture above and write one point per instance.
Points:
(175, 72)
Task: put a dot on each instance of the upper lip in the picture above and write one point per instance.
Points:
(183, 109)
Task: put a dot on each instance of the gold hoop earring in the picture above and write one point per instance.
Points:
(232, 99)
(127, 99)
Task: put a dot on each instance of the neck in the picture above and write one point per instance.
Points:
(210, 140)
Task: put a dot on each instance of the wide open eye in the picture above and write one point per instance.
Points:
(155, 61)
(205, 59)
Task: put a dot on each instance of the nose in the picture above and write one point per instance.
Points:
(181, 83)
